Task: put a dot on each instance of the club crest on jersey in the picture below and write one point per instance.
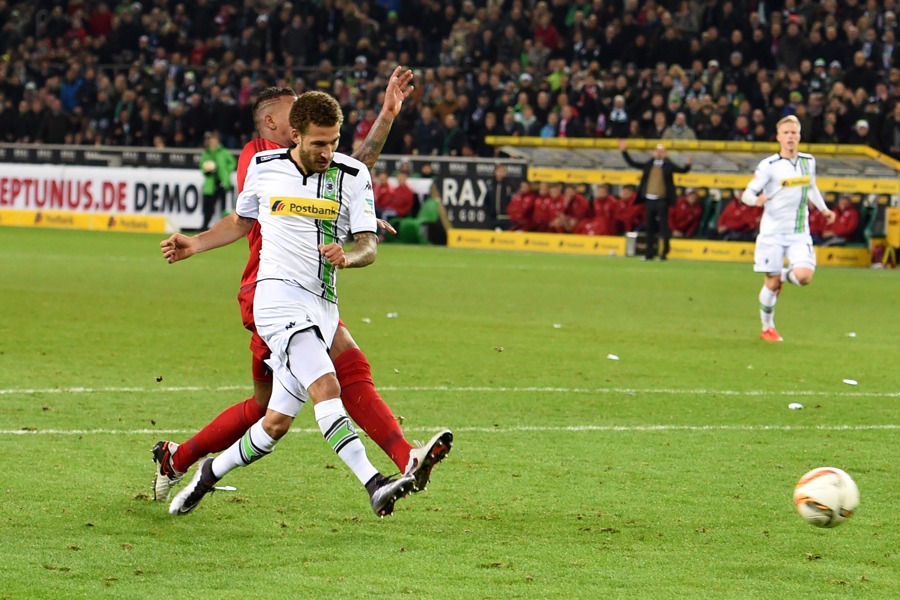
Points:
(804, 180)
(313, 208)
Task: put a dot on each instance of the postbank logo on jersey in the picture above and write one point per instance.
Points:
(803, 180)
(314, 208)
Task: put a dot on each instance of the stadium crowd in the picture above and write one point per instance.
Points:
(164, 72)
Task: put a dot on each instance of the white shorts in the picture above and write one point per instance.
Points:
(771, 250)
(283, 312)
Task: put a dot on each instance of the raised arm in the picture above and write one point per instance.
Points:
(230, 229)
(398, 90)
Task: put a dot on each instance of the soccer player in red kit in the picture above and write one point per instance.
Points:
(358, 394)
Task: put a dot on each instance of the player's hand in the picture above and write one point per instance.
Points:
(761, 200)
(178, 247)
(334, 254)
(399, 88)
(382, 224)
(829, 215)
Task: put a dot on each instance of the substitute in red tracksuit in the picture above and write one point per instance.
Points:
(845, 224)
(684, 217)
(521, 207)
(738, 221)
(602, 220)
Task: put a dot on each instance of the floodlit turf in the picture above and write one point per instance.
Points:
(665, 474)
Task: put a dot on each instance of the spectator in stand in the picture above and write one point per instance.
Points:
(521, 207)
(737, 222)
(454, 138)
(684, 218)
(890, 132)
(428, 135)
(861, 134)
(679, 129)
(845, 225)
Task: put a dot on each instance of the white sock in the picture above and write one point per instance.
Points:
(252, 446)
(341, 436)
(767, 299)
(788, 275)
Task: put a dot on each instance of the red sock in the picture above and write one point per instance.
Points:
(221, 433)
(365, 406)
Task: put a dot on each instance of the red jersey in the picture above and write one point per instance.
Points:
(401, 200)
(254, 238)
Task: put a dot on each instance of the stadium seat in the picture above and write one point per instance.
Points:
(413, 230)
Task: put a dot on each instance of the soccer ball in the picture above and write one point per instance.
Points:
(209, 166)
(826, 497)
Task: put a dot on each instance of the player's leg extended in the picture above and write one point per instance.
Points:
(369, 411)
(768, 259)
(173, 460)
(363, 402)
(256, 442)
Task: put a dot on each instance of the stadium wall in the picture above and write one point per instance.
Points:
(708, 250)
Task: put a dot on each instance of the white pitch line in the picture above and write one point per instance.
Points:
(466, 389)
(460, 430)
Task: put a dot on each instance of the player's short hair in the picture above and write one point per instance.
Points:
(267, 98)
(787, 119)
(315, 108)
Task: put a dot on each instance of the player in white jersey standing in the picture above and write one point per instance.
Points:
(308, 199)
(784, 184)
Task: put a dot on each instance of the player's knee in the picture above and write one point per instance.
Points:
(325, 387)
(804, 276)
(342, 342)
(276, 424)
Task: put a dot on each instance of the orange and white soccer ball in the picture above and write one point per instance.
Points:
(826, 497)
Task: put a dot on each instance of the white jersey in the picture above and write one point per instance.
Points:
(789, 186)
(297, 212)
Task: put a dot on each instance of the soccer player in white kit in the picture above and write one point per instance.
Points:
(784, 184)
(308, 199)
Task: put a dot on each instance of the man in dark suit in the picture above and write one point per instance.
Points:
(657, 191)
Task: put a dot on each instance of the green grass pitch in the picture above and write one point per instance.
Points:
(665, 474)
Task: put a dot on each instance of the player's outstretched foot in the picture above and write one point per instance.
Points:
(166, 476)
(423, 458)
(387, 491)
(770, 335)
(204, 482)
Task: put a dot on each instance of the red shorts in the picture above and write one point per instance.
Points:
(258, 347)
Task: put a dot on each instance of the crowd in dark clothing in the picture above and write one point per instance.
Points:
(163, 72)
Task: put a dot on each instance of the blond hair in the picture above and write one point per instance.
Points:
(787, 119)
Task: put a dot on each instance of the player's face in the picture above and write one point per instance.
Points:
(315, 148)
(789, 137)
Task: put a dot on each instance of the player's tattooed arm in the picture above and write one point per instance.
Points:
(363, 252)
(399, 88)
